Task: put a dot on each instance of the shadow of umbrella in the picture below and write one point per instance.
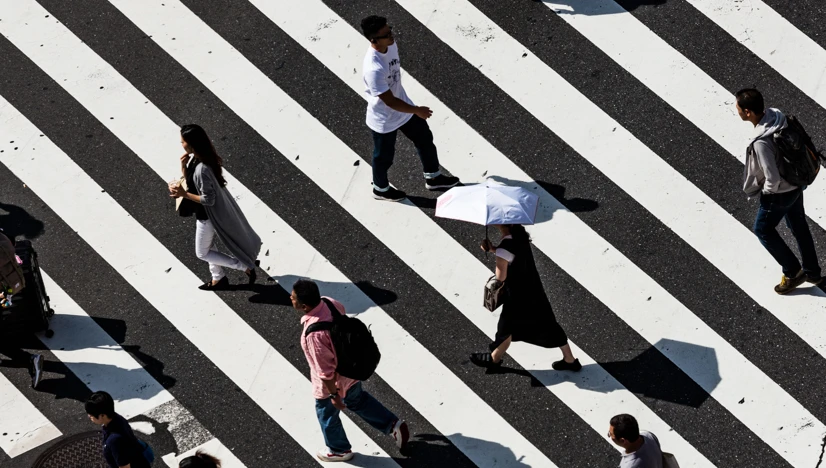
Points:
(649, 374)
(594, 8)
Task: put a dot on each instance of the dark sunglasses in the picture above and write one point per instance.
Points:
(389, 34)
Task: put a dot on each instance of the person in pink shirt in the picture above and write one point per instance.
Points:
(333, 392)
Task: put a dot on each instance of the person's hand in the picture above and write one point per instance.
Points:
(337, 402)
(423, 112)
(176, 191)
(184, 160)
(486, 245)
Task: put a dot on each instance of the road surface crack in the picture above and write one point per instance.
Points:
(822, 448)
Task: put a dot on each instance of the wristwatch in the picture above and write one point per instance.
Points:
(333, 395)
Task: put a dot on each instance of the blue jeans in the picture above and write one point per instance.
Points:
(384, 149)
(773, 208)
(359, 402)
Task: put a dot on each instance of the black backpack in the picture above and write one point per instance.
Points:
(356, 351)
(797, 158)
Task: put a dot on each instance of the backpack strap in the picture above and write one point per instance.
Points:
(319, 326)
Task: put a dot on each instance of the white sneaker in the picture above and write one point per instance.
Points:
(328, 455)
(36, 370)
(401, 434)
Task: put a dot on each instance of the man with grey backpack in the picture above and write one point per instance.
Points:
(780, 162)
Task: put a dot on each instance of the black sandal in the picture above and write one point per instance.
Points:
(221, 284)
(252, 275)
(567, 366)
(484, 360)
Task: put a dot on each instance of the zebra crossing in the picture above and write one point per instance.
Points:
(92, 94)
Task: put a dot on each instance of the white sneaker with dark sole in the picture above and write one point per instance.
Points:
(327, 455)
(391, 194)
(441, 182)
(401, 434)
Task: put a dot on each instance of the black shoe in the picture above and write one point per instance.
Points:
(484, 360)
(36, 369)
(569, 366)
(223, 283)
(391, 194)
(252, 275)
(441, 181)
(815, 280)
(788, 284)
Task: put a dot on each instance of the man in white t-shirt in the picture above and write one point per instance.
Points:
(390, 110)
(642, 449)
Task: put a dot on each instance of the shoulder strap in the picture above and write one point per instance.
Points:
(319, 326)
(333, 309)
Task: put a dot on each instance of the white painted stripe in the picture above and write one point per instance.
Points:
(311, 18)
(416, 374)
(770, 36)
(215, 448)
(96, 359)
(231, 344)
(22, 426)
(565, 239)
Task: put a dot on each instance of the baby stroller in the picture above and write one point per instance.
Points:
(24, 304)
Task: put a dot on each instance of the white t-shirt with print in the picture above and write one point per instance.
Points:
(383, 72)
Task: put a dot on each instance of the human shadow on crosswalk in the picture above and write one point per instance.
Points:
(650, 374)
(18, 223)
(64, 382)
(277, 292)
(432, 443)
(585, 7)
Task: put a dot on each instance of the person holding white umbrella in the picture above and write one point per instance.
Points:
(527, 314)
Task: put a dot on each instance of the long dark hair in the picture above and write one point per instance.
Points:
(519, 233)
(200, 460)
(197, 139)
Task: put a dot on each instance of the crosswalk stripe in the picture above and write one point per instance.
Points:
(458, 284)
(452, 407)
(677, 80)
(22, 426)
(96, 359)
(767, 34)
(231, 344)
(667, 194)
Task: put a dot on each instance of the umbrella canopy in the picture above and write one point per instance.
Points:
(488, 204)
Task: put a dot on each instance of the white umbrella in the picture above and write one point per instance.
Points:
(488, 204)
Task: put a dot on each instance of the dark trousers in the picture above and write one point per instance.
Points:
(773, 208)
(384, 149)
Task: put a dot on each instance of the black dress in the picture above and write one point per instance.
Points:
(526, 312)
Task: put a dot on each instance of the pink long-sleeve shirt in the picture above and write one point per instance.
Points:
(320, 353)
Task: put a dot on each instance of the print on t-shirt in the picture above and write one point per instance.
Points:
(382, 73)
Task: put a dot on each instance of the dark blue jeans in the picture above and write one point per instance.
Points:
(384, 149)
(773, 208)
(359, 402)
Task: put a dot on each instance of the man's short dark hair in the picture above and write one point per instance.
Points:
(306, 291)
(625, 427)
(100, 403)
(750, 99)
(371, 25)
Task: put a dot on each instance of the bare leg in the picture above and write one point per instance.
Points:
(499, 352)
(566, 352)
